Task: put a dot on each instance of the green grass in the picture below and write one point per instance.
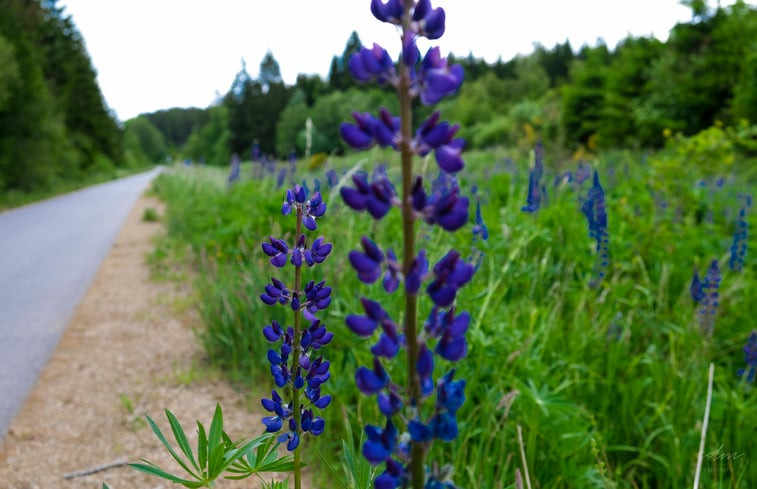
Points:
(608, 384)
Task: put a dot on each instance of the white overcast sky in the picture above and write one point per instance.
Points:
(158, 54)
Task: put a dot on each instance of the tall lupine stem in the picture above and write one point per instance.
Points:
(296, 358)
(408, 246)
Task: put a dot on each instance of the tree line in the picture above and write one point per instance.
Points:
(55, 125)
(632, 95)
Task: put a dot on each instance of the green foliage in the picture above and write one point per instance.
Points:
(254, 107)
(211, 142)
(54, 125)
(144, 141)
(339, 74)
(175, 125)
(215, 455)
(616, 374)
(150, 215)
(290, 130)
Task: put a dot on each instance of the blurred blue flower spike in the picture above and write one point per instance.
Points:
(750, 357)
(594, 208)
(738, 246)
(535, 189)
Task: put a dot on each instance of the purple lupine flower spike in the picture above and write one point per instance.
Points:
(429, 79)
(297, 344)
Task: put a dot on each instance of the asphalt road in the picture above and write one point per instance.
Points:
(49, 254)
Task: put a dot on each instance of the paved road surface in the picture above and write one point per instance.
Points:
(49, 254)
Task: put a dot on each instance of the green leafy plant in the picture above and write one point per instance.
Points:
(216, 454)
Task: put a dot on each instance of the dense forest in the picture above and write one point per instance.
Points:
(55, 125)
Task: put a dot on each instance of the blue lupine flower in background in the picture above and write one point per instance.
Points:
(594, 208)
(738, 246)
(480, 229)
(234, 171)
(583, 172)
(696, 289)
(535, 189)
(711, 298)
(750, 357)
(332, 178)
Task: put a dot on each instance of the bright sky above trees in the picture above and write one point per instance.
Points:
(152, 55)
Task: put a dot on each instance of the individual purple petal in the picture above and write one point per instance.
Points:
(361, 325)
(355, 136)
(386, 347)
(317, 426)
(433, 24)
(294, 441)
(371, 381)
(322, 402)
(425, 364)
(272, 423)
(353, 198)
(449, 159)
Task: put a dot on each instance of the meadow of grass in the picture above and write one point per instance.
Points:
(608, 384)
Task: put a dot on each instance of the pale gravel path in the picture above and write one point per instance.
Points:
(127, 339)
(49, 254)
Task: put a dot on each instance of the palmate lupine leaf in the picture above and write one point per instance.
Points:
(257, 456)
(216, 453)
(181, 438)
(153, 469)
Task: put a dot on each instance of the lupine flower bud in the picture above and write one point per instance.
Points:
(430, 22)
(391, 11)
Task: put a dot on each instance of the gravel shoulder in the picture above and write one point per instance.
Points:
(128, 350)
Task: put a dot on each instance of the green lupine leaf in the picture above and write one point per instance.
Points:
(150, 468)
(168, 446)
(202, 447)
(181, 438)
(331, 470)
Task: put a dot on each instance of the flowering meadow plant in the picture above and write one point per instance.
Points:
(421, 409)
(296, 365)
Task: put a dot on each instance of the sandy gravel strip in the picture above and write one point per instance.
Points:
(128, 350)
